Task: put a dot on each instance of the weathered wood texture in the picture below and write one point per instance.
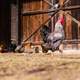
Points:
(31, 23)
(14, 22)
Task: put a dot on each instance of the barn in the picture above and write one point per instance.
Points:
(21, 19)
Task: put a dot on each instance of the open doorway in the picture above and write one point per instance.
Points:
(8, 21)
(5, 22)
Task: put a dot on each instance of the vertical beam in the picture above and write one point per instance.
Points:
(14, 21)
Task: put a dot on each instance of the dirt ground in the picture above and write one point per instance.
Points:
(40, 66)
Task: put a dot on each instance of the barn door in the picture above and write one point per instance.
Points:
(32, 22)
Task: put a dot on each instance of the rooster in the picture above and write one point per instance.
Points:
(54, 39)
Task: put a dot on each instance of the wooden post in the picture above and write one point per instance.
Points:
(14, 21)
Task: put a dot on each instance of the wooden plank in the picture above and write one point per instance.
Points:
(68, 29)
(14, 22)
(35, 20)
(31, 23)
(25, 21)
(37, 12)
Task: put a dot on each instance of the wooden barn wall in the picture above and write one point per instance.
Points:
(31, 23)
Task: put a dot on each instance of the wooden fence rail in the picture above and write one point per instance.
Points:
(37, 12)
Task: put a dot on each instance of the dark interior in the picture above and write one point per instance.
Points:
(5, 21)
